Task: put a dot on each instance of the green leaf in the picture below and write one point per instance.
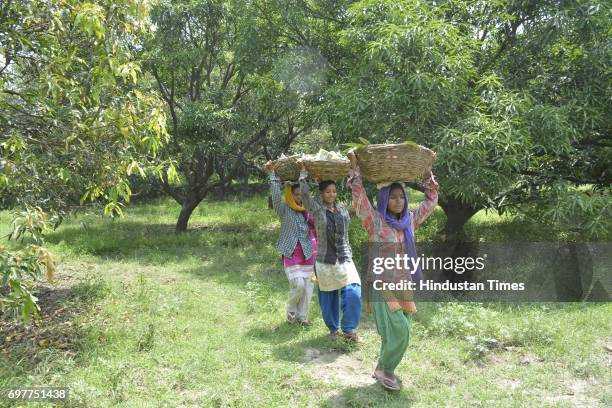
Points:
(64, 174)
(84, 197)
(135, 165)
(113, 209)
(172, 174)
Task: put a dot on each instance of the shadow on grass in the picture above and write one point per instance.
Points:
(283, 335)
(276, 335)
(258, 280)
(155, 243)
(370, 396)
(58, 333)
(322, 348)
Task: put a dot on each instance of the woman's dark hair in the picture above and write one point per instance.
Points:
(326, 183)
(294, 186)
(394, 186)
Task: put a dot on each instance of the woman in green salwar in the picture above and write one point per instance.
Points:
(390, 228)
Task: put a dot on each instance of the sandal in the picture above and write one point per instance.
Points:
(395, 377)
(333, 335)
(305, 322)
(387, 383)
(291, 317)
(352, 337)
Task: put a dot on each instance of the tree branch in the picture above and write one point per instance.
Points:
(239, 92)
(7, 59)
(416, 186)
(161, 86)
(320, 15)
(510, 36)
(229, 73)
(170, 190)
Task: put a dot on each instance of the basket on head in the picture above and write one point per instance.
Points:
(384, 163)
(327, 169)
(287, 168)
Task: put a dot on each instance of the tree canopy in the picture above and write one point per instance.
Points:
(75, 117)
(510, 94)
(75, 121)
(219, 67)
(513, 95)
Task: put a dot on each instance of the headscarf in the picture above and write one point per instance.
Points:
(288, 197)
(403, 224)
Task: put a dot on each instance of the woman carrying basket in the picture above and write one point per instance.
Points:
(297, 244)
(334, 265)
(390, 228)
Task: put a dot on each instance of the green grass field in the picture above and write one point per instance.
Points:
(142, 317)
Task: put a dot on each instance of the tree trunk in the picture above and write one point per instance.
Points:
(186, 210)
(457, 214)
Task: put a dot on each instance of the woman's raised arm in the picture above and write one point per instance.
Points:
(310, 203)
(361, 202)
(275, 191)
(426, 206)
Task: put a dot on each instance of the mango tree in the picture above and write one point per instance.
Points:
(75, 118)
(510, 94)
(213, 62)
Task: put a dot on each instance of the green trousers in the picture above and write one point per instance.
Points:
(394, 330)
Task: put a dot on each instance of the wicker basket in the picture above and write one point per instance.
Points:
(327, 169)
(384, 163)
(287, 168)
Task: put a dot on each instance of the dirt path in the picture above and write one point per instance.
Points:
(337, 368)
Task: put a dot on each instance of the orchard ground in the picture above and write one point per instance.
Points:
(140, 316)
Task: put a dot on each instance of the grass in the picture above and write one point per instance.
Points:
(142, 317)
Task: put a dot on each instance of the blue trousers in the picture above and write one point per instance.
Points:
(351, 307)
